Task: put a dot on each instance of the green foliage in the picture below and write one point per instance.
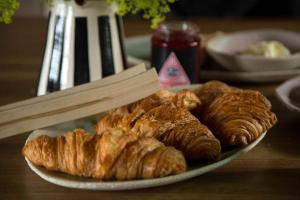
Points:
(155, 10)
(8, 9)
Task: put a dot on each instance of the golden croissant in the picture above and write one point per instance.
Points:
(236, 117)
(177, 127)
(170, 124)
(115, 155)
(211, 90)
(125, 116)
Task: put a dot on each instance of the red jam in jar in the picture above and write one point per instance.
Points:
(181, 39)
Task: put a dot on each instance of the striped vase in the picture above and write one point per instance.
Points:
(84, 43)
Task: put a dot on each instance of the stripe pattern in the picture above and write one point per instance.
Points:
(106, 46)
(80, 49)
(82, 71)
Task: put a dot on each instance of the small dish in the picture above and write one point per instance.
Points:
(289, 94)
(225, 50)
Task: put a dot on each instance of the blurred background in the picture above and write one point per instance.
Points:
(22, 42)
(262, 8)
(32, 8)
(209, 8)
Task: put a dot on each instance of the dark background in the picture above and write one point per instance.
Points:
(232, 8)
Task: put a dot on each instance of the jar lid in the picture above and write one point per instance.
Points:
(176, 34)
(176, 27)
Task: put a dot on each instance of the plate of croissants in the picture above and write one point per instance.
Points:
(165, 138)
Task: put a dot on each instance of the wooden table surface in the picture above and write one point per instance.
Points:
(270, 171)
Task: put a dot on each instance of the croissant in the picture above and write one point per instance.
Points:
(179, 128)
(116, 154)
(184, 98)
(172, 125)
(211, 90)
(236, 117)
(117, 117)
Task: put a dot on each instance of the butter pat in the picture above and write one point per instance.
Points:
(268, 49)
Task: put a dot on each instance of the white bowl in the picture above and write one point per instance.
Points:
(288, 94)
(225, 48)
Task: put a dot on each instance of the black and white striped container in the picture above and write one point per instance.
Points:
(84, 43)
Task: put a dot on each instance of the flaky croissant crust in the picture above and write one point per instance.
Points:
(173, 125)
(130, 113)
(179, 128)
(236, 117)
(116, 154)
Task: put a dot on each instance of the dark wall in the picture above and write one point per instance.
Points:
(236, 8)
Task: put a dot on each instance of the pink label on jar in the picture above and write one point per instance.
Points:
(172, 73)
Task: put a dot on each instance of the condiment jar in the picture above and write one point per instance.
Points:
(176, 53)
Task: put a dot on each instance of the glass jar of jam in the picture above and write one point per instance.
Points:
(176, 53)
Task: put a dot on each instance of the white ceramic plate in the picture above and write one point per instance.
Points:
(224, 50)
(92, 184)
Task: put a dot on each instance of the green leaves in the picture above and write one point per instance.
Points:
(9, 7)
(7, 10)
(155, 10)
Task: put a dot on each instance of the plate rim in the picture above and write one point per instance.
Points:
(132, 184)
(142, 183)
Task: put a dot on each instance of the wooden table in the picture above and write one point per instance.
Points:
(270, 171)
